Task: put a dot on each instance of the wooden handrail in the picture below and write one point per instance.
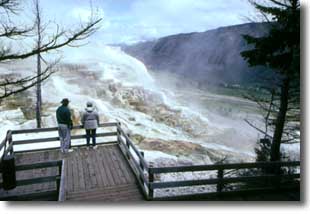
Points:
(3, 147)
(48, 164)
(140, 170)
(140, 166)
(37, 165)
(141, 179)
(231, 194)
(57, 147)
(50, 139)
(222, 166)
(169, 184)
(137, 152)
(220, 180)
(2, 144)
(27, 131)
(7, 144)
(38, 180)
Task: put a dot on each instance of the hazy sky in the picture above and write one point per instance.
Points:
(135, 20)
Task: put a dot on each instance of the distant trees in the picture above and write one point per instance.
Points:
(280, 52)
(49, 40)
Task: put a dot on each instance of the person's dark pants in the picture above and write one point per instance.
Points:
(91, 133)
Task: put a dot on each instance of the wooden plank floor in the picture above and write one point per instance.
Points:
(102, 174)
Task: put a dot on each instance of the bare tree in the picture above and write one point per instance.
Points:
(12, 85)
(9, 32)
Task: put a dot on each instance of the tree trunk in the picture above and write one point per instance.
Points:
(38, 92)
(277, 136)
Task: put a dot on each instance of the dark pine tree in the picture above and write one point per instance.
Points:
(279, 51)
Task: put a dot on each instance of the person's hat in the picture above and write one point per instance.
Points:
(65, 100)
(89, 106)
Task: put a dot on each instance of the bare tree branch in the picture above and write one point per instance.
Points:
(54, 43)
(9, 6)
(24, 84)
(258, 129)
(60, 38)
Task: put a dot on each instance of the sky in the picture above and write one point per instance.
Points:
(129, 21)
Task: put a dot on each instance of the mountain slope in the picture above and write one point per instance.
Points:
(209, 57)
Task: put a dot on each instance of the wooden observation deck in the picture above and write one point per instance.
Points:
(89, 174)
(117, 171)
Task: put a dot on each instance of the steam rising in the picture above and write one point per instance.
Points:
(152, 107)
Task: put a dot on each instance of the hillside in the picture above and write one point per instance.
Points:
(208, 57)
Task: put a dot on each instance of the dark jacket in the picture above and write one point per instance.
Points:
(63, 115)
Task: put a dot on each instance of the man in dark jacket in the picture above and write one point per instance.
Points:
(64, 121)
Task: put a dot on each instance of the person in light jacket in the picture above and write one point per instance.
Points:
(90, 122)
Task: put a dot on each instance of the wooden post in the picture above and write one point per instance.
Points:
(60, 169)
(58, 178)
(277, 180)
(142, 167)
(12, 150)
(151, 180)
(58, 184)
(118, 133)
(8, 172)
(10, 140)
(61, 192)
(128, 148)
(220, 175)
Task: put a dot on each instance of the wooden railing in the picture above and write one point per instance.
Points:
(263, 180)
(56, 194)
(146, 175)
(55, 138)
(136, 160)
(133, 155)
(6, 146)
